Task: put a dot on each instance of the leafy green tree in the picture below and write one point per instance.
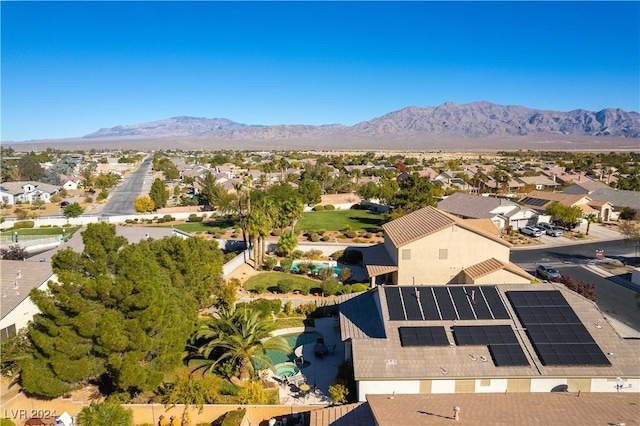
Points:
(568, 216)
(105, 414)
(13, 252)
(212, 191)
(159, 194)
(116, 318)
(242, 337)
(287, 243)
(72, 210)
(29, 167)
(310, 190)
(415, 193)
(368, 191)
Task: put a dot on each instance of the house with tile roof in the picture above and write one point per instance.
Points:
(504, 339)
(539, 182)
(501, 211)
(26, 192)
(17, 279)
(540, 200)
(432, 247)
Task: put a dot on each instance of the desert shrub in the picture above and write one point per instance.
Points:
(103, 195)
(305, 267)
(24, 224)
(169, 218)
(88, 199)
(67, 225)
(329, 287)
(288, 309)
(265, 306)
(313, 254)
(195, 218)
(314, 237)
(285, 285)
(318, 208)
(358, 288)
(260, 288)
(350, 234)
(306, 309)
(380, 234)
(359, 241)
(55, 198)
(336, 255)
(21, 213)
(297, 254)
(345, 274)
(305, 288)
(325, 273)
(234, 418)
(346, 228)
(346, 288)
(338, 393)
(45, 226)
(160, 220)
(270, 262)
(321, 231)
(324, 238)
(368, 235)
(583, 288)
(286, 264)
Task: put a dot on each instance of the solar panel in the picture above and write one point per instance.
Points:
(428, 302)
(555, 331)
(447, 311)
(508, 355)
(394, 303)
(479, 305)
(462, 303)
(410, 299)
(495, 303)
(423, 336)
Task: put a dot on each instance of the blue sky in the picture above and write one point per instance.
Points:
(70, 68)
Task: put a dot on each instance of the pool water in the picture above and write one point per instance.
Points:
(315, 267)
(293, 340)
(287, 370)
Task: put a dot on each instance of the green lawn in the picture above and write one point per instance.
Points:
(43, 231)
(203, 226)
(270, 279)
(336, 220)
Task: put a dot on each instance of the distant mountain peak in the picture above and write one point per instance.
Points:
(481, 119)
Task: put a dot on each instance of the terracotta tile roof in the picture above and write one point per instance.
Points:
(426, 221)
(357, 414)
(377, 260)
(492, 265)
(552, 408)
(386, 359)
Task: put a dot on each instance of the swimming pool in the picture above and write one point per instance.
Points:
(286, 370)
(293, 340)
(316, 266)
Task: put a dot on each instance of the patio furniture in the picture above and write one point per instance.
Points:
(320, 350)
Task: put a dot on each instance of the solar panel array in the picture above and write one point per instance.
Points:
(528, 201)
(555, 331)
(408, 303)
(503, 345)
(423, 336)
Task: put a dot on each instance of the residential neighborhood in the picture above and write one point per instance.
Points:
(405, 260)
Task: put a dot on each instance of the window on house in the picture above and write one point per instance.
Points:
(406, 254)
(443, 254)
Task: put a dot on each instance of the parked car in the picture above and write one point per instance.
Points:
(547, 272)
(64, 204)
(549, 229)
(531, 231)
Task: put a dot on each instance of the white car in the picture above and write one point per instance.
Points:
(549, 229)
(531, 231)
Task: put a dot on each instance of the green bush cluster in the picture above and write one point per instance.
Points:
(276, 232)
(24, 224)
(194, 218)
(329, 207)
(318, 208)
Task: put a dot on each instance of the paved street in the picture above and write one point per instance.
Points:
(120, 201)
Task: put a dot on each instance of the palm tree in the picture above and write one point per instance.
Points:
(591, 218)
(242, 337)
(105, 414)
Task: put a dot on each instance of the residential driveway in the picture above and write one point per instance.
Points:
(598, 231)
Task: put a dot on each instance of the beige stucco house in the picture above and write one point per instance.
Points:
(431, 247)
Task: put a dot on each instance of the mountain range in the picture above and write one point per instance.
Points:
(482, 120)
